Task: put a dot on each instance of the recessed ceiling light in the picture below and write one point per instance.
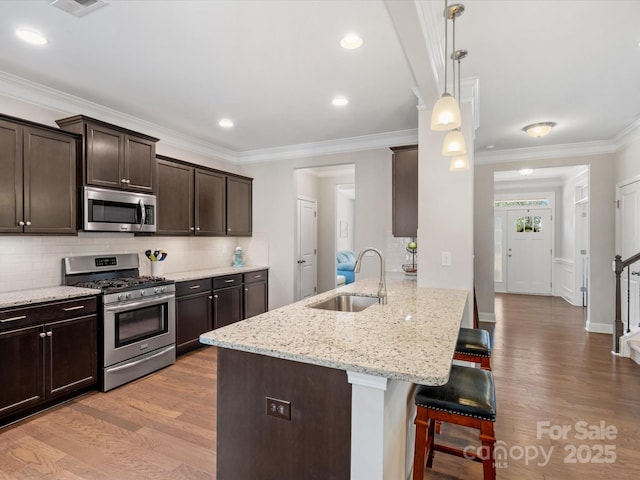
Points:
(525, 172)
(351, 41)
(340, 101)
(490, 147)
(540, 129)
(225, 123)
(31, 36)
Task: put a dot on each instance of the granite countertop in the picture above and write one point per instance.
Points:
(212, 272)
(412, 338)
(40, 295)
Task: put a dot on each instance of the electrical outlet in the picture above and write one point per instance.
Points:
(278, 408)
(445, 258)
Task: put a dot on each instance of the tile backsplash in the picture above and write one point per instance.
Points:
(36, 261)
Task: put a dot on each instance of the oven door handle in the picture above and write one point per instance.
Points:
(148, 302)
(138, 362)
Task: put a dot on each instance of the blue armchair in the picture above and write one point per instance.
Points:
(346, 262)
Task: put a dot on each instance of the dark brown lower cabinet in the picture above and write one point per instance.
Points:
(315, 444)
(227, 306)
(48, 353)
(255, 293)
(193, 313)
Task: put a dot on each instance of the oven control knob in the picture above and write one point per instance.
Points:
(128, 294)
(142, 293)
(163, 289)
(120, 296)
(156, 290)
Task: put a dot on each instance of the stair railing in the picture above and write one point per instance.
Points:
(620, 265)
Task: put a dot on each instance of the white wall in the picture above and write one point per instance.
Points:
(601, 239)
(274, 210)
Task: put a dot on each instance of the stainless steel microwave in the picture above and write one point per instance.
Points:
(118, 211)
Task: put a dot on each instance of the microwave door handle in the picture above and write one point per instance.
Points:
(143, 214)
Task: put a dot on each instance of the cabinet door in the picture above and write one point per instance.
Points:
(405, 191)
(11, 178)
(174, 199)
(50, 196)
(210, 203)
(255, 299)
(21, 373)
(227, 306)
(193, 318)
(105, 157)
(71, 356)
(139, 164)
(239, 222)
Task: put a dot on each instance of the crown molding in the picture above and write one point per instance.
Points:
(50, 98)
(628, 135)
(329, 147)
(547, 152)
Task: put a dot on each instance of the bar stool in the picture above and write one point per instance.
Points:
(474, 345)
(467, 399)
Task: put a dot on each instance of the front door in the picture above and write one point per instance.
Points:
(529, 251)
(307, 254)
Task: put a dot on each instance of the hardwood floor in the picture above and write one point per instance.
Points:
(546, 368)
(159, 427)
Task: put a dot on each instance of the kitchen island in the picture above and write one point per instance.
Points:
(354, 367)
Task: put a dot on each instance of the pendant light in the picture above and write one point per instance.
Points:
(459, 162)
(454, 144)
(446, 111)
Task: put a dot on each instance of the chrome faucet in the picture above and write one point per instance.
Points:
(382, 285)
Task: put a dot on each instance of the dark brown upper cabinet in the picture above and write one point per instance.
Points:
(405, 191)
(38, 180)
(114, 157)
(193, 200)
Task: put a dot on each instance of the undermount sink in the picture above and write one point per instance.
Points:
(346, 303)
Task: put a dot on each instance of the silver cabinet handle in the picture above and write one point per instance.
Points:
(229, 281)
(21, 317)
(198, 229)
(229, 229)
(49, 333)
(21, 223)
(124, 180)
(193, 287)
(42, 335)
(257, 276)
(215, 296)
(191, 228)
(246, 289)
(70, 309)
(210, 297)
(28, 223)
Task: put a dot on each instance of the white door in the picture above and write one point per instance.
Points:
(307, 255)
(529, 251)
(582, 254)
(629, 228)
(500, 252)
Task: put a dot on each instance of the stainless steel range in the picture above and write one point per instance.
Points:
(137, 334)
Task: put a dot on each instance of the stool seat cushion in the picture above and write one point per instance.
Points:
(469, 392)
(473, 341)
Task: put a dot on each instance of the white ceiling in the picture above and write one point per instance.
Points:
(559, 174)
(273, 67)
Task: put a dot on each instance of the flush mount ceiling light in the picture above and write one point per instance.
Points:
(351, 41)
(31, 36)
(225, 123)
(540, 129)
(459, 163)
(446, 111)
(525, 172)
(339, 101)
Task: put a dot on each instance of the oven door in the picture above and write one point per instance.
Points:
(138, 327)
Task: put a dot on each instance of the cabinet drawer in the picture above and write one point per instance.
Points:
(49, 312)
(258, 276)
(193, 286)
(227, 281)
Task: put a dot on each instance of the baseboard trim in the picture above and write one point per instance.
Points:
(592, 327)
(487, 317)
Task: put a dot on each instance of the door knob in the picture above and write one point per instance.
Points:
(635, 273)
(302, 261)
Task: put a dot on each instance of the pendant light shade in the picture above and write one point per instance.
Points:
(446, 114)
(459, 163)
(454, 144)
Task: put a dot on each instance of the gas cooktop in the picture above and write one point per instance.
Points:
(111, 285)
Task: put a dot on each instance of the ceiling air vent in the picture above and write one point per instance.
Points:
(78, 8)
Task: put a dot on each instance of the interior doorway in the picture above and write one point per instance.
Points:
(628, 227)
(307, 251)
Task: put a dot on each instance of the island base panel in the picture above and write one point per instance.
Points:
(314, 444)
